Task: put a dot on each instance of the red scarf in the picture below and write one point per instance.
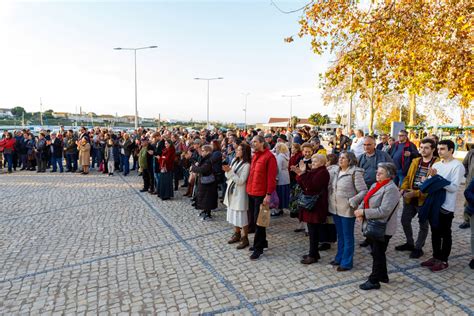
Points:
(372, 191)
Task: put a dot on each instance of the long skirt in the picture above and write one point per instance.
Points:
(283, 192)
(237, 218)
(166, 185)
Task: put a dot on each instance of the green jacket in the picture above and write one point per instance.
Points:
(142, 159)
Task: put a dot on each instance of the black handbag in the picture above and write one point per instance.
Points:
(307, 201)
(208, 179)
(375, 229)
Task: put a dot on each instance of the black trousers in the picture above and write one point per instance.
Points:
(151, 175)
(260, 240)
(441, 238)
(314, 231)
(146, 179)
(379, 260)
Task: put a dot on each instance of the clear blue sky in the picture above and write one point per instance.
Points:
(62, 52)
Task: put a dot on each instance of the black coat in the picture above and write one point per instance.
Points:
(206, 194)
(57, 145)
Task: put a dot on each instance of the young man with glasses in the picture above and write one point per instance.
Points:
(402, 153)
(414, 199)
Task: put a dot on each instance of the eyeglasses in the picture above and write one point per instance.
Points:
(402, 135)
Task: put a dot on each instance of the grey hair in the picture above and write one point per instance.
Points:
(351, 157)
(389, 167)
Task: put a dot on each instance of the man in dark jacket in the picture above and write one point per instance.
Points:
(370, 159)
(339, 142)
(469, 195)
(56, 148)
(70, 148)
(402, 153)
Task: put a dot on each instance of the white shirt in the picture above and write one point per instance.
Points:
(452, 171)
(358, 146)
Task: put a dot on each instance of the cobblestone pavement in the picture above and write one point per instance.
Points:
(91, 244)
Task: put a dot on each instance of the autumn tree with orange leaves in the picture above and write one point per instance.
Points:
(389, 46)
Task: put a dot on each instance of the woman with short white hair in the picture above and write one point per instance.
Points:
(283, 185)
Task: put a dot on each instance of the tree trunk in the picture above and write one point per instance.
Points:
(412, 105)
(371, 116)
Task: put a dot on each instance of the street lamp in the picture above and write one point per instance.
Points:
(136, 97)
(208, 79)
(245, 108)
(291, 103)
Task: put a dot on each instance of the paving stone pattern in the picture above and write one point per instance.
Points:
(72, 244)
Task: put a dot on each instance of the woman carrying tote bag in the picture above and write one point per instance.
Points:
(380, 206)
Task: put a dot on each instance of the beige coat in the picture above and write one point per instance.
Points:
(344, 197)
(238, 200)
(381, 204)
(85, 154)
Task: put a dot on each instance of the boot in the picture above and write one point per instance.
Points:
(235, 238)
(189, 192)
(244, 243)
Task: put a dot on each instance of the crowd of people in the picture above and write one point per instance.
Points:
(358, 178)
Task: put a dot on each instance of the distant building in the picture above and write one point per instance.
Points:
(283, 122)
(6, 113)
(60, 115)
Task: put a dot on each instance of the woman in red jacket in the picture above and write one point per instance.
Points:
(314, 182)
(167, 158)
(8, 145)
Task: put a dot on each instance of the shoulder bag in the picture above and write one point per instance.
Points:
(375, 229)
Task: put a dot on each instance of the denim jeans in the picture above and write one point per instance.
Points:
(157, 181)
(125, 162)
(345, 240)
(399, 178)
(9, 160)
(71, 162)
(57, 161)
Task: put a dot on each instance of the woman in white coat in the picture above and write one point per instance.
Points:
(236, 198)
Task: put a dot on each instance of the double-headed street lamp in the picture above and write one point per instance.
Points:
(245, 108)
(136, 97)
(291, 102)
(208, 79)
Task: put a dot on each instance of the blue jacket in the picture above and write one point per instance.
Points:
(469, 195)
(434, 187)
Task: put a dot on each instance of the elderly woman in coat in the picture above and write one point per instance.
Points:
(347, 191)
(84, 155)
(283, 184)
(314, 182)
(381, 204)
(206, 192)
(236, 198)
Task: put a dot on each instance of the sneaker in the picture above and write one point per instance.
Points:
(464, 225)
(255, 255)
(405, 247)
(439, 267)
(416, 253)
(429, 263)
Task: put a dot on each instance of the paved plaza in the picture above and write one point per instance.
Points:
(72, 244)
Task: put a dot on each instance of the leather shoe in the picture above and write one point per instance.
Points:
(143, 190)
(416, 253)
(364, 244)
(369, 286)
(255, 255)
(342, 269)
(405, 247)
(334, 263)
(324, 246)
(309, 260)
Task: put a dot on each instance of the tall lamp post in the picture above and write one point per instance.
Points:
(136, 92)
(208, 79)
(246, 94)
(291, 103)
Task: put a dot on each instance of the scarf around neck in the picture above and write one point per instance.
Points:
(372, 191)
